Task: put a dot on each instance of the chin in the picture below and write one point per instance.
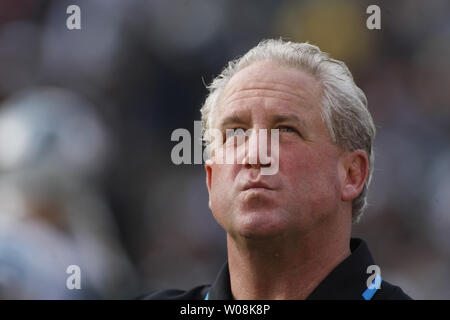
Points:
(259, 225)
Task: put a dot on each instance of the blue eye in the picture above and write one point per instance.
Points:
(287, 129)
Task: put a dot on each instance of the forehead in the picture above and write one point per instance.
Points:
(271, 81)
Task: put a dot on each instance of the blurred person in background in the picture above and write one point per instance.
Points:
(289, 234)
(53, 148)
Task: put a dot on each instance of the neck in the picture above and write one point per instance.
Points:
(284, 267)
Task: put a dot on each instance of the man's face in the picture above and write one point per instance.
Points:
(306, 190)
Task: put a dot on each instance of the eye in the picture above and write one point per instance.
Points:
(287, 129)
(290, 130)
(234, 132)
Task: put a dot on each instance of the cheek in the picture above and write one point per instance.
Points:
(223, 176)
(222, 181)
(312, 175)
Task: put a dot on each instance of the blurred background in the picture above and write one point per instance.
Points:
(86, 117)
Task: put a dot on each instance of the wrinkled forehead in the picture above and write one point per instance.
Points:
(268, 79)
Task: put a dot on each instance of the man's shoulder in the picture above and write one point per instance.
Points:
(389, 291)
(197, 293)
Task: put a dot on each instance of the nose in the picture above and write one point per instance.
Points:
(257, 149)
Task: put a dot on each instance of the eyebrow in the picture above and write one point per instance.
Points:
(290, 117)
(231, 119)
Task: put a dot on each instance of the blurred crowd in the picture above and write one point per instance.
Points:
(86, 117)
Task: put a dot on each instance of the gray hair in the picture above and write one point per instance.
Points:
(344, 105)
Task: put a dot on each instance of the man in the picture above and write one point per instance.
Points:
(289, 233)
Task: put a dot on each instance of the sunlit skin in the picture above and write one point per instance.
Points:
(285, 232)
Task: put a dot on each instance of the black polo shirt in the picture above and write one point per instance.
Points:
(348, 281)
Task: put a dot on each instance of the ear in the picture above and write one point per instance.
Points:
(208, 169)
(356, 166)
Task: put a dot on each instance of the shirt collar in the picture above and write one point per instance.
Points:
(346, 281)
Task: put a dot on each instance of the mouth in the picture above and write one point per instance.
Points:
(256, 186)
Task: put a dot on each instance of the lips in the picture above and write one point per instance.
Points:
(256, 185)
